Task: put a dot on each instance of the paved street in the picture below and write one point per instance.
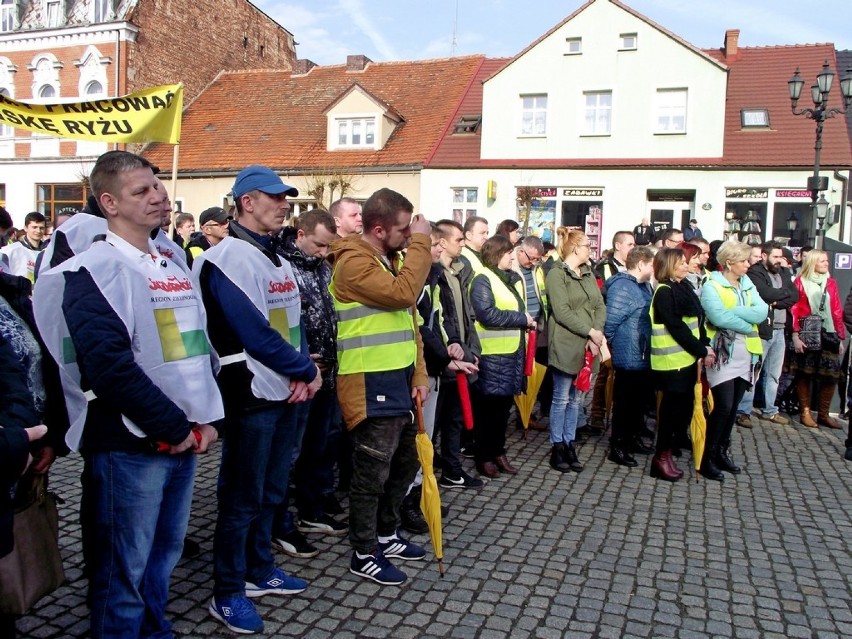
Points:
(609, 553)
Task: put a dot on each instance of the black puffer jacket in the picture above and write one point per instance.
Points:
(313, 275)
(499, 374)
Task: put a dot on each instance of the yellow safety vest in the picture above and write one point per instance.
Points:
(666, 353)
(500, 341)
(372, 340)
(729, 299)
(475, 263)
(539, 283)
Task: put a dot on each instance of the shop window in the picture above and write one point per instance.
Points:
(54, 197)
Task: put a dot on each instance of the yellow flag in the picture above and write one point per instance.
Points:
(150, 115)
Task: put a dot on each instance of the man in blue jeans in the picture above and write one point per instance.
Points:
(776, 288)
(253, 306)
(127, 327)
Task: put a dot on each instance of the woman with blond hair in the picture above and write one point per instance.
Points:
(817, 296)
(734, 309)
(575, 326)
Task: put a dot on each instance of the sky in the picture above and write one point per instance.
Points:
(326, 31)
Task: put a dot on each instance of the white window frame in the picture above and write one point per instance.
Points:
(573, 46)
(625, 38)
(58, 9)
(747, 118)
(8, 15)
(601, 114)
(533, 118)
(670, 111)
(102, 11)
(345, 130)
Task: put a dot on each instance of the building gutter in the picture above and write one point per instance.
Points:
(844, 198)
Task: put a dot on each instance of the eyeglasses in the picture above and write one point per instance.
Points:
(534, 260)
(584, 245)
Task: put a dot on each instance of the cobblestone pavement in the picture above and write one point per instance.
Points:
(608, 553)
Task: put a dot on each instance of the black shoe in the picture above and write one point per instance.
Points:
(848, 455)
(191, 548)
(639, 447)
(709, 469)
(557, 458)
(621, 457)
(467, 452)
(462, 481)
(331, 505)
(724, 462)
(295, 545)
(571, 458)
(412, 516)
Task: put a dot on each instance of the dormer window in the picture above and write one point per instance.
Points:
(468, 124)
(573, 46)
(629, 42)
(356, 133)
(754, 118)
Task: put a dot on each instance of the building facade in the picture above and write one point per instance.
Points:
(71, 50)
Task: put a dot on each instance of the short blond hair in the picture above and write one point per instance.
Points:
(732, 251)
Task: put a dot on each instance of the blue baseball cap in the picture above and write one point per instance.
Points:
(260, 178)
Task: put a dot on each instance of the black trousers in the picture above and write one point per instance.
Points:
(630, 392)
(673, 417)
(720, 425)
(491, 417)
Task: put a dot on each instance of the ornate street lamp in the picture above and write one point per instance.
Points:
(821, 210)
(819, 114)
(792, 224)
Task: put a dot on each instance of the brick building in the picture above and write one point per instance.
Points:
(67, 50)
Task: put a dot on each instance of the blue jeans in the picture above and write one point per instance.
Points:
(565, 408)
(140, 508)
(283, 522)
(770, 373)
(257, 454)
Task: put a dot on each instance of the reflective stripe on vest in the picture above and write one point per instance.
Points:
(666, 353)
(371, 340)
(729, 299)
(500, 341)
(539, 282)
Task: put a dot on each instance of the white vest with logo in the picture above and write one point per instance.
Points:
(21, 260)
(165, 321)
(273, 291)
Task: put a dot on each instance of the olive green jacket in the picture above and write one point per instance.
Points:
(576, 306)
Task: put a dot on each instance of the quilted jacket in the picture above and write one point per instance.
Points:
(628, 324)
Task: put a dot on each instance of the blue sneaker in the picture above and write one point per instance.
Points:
(377, 568)
(401, 548)
(280, 583)
(237, 613)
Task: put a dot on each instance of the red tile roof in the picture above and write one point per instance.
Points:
(757, 79)
(274, 118)
(462, 149)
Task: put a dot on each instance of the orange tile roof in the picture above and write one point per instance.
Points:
(274, 118)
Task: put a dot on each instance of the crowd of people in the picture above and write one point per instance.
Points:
(305, 346)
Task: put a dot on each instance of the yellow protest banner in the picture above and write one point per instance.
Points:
(150, 115)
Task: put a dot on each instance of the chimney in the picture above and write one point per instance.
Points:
(302, 66)
(732, 37)
(357, 62)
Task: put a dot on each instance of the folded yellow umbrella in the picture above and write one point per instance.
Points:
(430, 498)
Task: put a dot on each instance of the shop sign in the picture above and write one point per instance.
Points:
(843, 261)
(747, 193)
(538, 192)
(578, 191)
(788, 193)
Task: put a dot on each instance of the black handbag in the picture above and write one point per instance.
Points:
(813, 333)
(830, 341)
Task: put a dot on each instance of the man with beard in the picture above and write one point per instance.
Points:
(780, 294)
(381, 370)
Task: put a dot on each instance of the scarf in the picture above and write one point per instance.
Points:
(815, 285)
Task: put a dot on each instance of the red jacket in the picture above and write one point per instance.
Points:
(802, 308)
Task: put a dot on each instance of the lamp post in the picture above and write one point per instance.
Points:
(792, 224)
(819, 114)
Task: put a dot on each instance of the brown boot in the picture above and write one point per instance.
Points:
(505, 466)
(660, 469)
(803, 391)
(668, 460)
(826, 392)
